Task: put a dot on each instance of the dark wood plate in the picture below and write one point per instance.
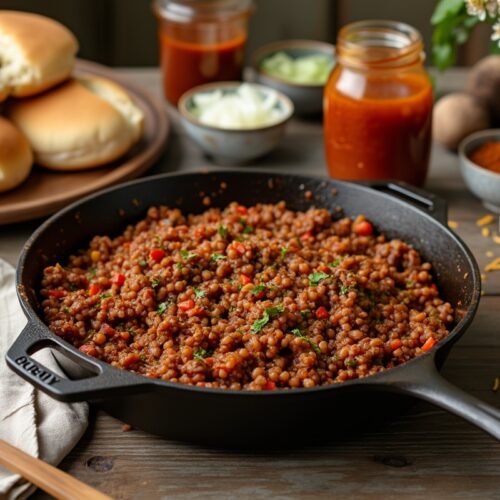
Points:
(45, 191)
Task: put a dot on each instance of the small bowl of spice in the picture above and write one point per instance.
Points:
(479, 158)
(233, 122)
(298, 68)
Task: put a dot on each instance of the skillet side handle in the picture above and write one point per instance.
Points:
(101, 382)
(429, 203)
(425, 382)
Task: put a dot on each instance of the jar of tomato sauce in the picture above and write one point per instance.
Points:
(378, 104)
(201, 41)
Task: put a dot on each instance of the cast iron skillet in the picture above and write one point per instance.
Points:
(244, 417)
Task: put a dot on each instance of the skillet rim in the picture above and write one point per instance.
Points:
(143, 382)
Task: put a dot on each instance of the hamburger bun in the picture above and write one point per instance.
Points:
(83, 123)
(35, 53)
(16, 158)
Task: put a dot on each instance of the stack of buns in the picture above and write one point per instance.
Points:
(57, 120)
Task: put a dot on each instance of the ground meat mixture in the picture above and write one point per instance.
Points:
(258, 297)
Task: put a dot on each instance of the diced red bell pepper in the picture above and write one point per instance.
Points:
(244, 279)
(239, 247)
(363, 228)
(186, 305)
(157, 254)
(118, 279)
(308, 235)
(94, 289)
(269, 385)
(57, 293)
(242, 210)
(396, 344)
(429, 344)
(322, 313)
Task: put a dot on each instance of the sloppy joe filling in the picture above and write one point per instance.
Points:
(258, 298)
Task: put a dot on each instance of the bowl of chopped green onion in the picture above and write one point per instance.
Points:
(298, 68)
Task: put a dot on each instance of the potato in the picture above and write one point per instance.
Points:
(456, 116)
(484, 83)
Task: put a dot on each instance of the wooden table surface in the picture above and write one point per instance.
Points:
(426, 453)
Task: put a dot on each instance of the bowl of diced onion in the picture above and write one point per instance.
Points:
(233, 122)
(298, 68)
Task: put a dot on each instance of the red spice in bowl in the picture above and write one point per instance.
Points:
(487, 155)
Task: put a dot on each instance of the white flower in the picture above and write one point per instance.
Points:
(477, 8)
(492, 7)
(496, 32)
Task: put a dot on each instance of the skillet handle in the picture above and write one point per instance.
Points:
(428, 202)
(102, 380)
(422, 380)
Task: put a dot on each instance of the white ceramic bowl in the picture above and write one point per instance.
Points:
(234, 146)
(483, 183)
(307, 98)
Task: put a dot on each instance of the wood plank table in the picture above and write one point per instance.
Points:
(426, 453)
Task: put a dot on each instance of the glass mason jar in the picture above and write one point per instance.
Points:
(378, 104)
(201, 41)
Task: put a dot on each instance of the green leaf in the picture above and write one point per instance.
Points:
(258, 288)
(446, 8)
(305, 313)
(351, 363)
(162, 308)
(314, 346)
(269, 313)
(335, 263)
(410, 283)
(260, 323)
(283, 252)
(315, 278)
(444, 55)
(199, 294)
(201, 354)
(217, 256)
(248, 230)
(188, 255)
(222, 231)
(143, 263)
(155, 282)
(105, 296)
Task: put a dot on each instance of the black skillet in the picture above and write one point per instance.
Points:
(243, 417)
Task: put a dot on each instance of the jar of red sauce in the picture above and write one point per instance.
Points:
(378, 104)
(201, 41)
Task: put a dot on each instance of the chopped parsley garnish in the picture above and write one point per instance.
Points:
(335, 263)
(248, 230)
(305, 313)
(199, 294)
(217, 256)
(351, 363)
(155, 282)
(178, 266)
(299, 334)
(258, 288)
(105, 296)
(143, 263)
(188, 255)
(344, 290)
(92, 272)
(283, 252)
(66, 310)
(222, 231)
(243, 221)
(201, 354)
(410, 283)
(269, 313)
(315, 278)
(162, 308)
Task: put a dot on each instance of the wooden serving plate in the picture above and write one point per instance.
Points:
(46, 191)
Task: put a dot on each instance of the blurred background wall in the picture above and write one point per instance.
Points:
(123, 32)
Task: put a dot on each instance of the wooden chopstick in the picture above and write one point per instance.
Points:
(50, 479)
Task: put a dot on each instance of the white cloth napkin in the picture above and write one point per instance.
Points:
(29, 419)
